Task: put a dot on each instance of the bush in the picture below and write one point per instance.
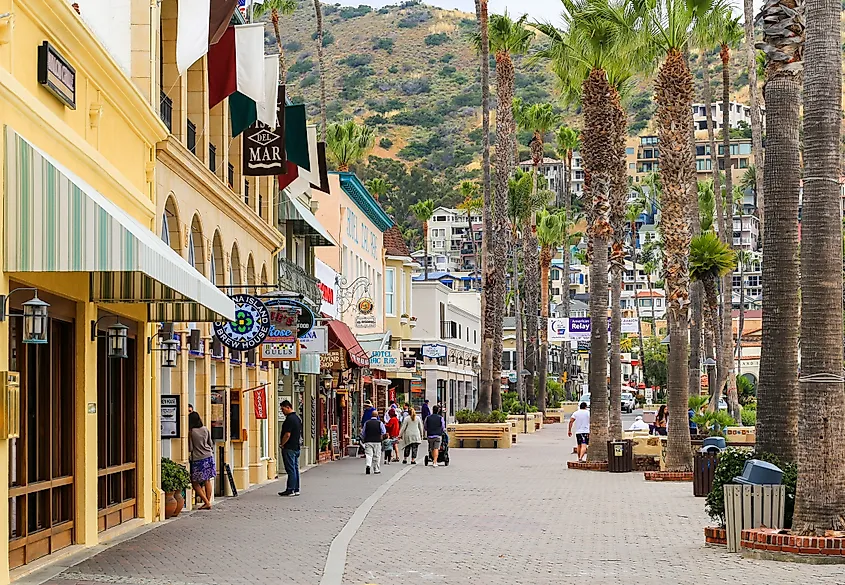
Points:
(393, 69)
(385, 44)
(301, 66)
(447, 70)
(446, 58)
(375, 120)
(292, 46)
(472, 416)
(385, 142)
(352, 12)
(355, 60)
(731, 462)
(309, 80)
(328, 38)
(416, 86)
(419, 117)
(436, 39)
(749, 416)
(174, 477)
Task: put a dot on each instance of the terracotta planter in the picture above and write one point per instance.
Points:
(173, 504)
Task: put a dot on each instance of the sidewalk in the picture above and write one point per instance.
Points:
(493, 517)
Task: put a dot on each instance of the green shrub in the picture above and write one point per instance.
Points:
(309, 80)
(174, 477)
(712, 424)
(446, 71)
(472, 416)
(356, 60)
(385, 142)
(328, 38)
(436, 39)
(749, 417)
(731, 462)
(446, 58)
(385, 44)
(352, 12)
(301, 66)
(292, 46)
(393, 69)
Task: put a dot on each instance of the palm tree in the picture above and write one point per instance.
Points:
(568, 140)
(632, 215)
(471, 205)
(711, 259)
(423, 210)
(489, 303)
(753, 99)
(277, 8)
(378, 187)
(507, 37)
(348, 142)
(318, 11)
(551, 233)
(819, 501)
(743, 258)
(777, 390)
(539, 118)
(592, 60)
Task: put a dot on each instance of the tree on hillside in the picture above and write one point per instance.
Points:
(423, 210)
(378, 187)
(777, 390)
(348, 142)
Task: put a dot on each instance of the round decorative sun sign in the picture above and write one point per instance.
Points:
(365, 305)
(250, 327)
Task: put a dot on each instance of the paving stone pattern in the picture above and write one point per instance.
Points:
(493, 517)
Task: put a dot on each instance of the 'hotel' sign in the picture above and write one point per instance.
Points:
(56, 74)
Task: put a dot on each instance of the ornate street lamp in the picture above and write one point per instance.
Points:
(117, 341)
(35, 316)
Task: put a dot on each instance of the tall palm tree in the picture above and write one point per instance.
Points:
(318, 11)
(277, 8)
(777, 390)
(540, 119)
(819, 499)
(632, 215)
(348, 142)
(490, 317)
(753, 102)
(423, 210)
(471, 205)
(378, 187)
(592, 60)
(507, 37)
(551, 233)
(743, 259)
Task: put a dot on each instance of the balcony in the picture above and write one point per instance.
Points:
(294, 279)
(212, 158)
(192, 137)
(166, 111)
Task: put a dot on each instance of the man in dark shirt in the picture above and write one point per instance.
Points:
(289, 442)
(435, 428)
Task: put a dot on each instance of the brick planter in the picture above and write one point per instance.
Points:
(773, 543)
(646, 463)
(588, 466)
(715, 535)
(668, 475)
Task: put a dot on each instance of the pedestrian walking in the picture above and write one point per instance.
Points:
(393, 427)
(411, 434)
(425, 411)
(435, 428)
(290, 443)
(392, 408)
(373, 433)
(201, 454)
(581, 421)
(406, 410)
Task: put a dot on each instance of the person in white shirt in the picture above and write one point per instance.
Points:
(639, 425)
(581, 421)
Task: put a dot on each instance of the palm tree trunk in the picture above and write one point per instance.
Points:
(820, 495)
(567, 260)
(711, 311)
(545, 264)
(530, 267)
(753, 99)
(741, 315)
(318, 11)
(598, 350)
(716, 389)
(637, 302)
(425, 245)
(520, 337)
(727, 280)
(710, 320)
(777, 389)
(694, 383)
(274, 18)
(488, 300)
(674, 94)
(615, 353)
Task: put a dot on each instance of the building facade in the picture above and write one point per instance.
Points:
(554, 169)
(454, 235)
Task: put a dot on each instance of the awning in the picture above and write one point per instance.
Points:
(341, 337)
(304, 222)
(374, 341)
(56, 222)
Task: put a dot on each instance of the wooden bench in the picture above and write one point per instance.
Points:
(498, 433)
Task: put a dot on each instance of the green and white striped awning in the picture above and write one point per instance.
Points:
(56, 222)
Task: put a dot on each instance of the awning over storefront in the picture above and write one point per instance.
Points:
(341, 337)
(304, 222)
(374, 341)
(56, 222)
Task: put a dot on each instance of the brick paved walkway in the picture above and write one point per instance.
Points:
(511, 517)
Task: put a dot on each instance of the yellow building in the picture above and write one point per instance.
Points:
(82, 226)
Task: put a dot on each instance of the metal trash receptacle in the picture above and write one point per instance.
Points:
(704, 471)
(620, 456)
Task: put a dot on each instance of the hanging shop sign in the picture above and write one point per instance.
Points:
(280, 352)
(365, 305)
(56, 74)
(365, 321)
(263, 151)
(170, 416)
(385, 359)
(250, 327)
(259, 402)
(409, 363)
(290, 320)
(315, 342)
(334, 359)
(365, 318)
(433, 351)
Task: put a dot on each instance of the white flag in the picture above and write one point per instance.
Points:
(249, 56)
(267, 110)
(191, 32)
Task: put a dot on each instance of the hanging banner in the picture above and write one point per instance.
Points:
(259, 402)
(263, 151)
(250, 327)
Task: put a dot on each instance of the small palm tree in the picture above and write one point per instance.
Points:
(568, 140)
(348, 143)
(551, 233)
(378, 187)
(423, 210)
(472, 205)
(706, 205)
(277, 8)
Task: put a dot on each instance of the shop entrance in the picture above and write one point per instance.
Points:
(117, 432)
(41, 459)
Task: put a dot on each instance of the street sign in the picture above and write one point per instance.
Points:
(250, 327)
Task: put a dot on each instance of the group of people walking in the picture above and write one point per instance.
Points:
(400, 430)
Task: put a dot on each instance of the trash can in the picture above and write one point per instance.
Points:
(620, 456)
(704, 471)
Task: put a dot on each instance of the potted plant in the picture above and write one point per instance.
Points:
(413, 322)
(403, 318)
(174, 480)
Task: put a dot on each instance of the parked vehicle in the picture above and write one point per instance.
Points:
(585, 398)
(629, 402)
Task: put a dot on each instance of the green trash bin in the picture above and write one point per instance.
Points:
(620, 456)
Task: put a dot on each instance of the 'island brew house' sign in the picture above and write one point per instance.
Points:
(56, 74)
